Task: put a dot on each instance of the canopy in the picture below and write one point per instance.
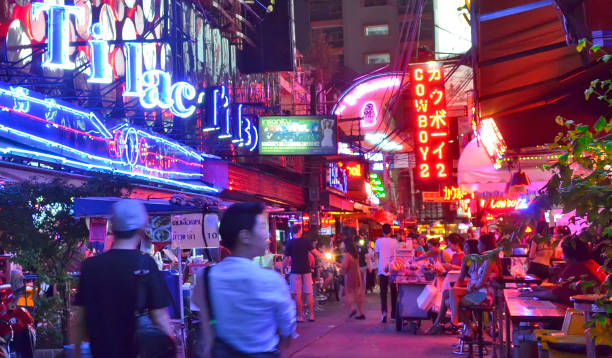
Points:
(528, 72)
(476, 173)
(101, 206)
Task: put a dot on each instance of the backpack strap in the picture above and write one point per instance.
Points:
(206, 287)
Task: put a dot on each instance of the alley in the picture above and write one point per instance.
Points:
(335, 335)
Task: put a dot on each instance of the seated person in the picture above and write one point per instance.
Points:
(434, 253)
(478, 289)
(580, 263)
(470, 247)
(455, 243)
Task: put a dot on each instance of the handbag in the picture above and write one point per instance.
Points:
(222, 349)
(427, 297)
(150, 341)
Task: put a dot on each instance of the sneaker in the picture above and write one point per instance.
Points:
(353, 313)
(384, 318)
(360, 317)
(435, 330)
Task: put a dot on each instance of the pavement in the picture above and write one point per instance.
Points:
(333, 334)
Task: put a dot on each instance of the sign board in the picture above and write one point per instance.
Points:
(187, 231)
(432, 197)
(403, 161)
(298, 135)
(337, 178)
(97, 230)
(211, 230)
(428, 108)
(452, 29)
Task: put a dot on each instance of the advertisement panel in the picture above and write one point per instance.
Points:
(298, 135)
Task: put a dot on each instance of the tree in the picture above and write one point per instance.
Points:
(38, 227)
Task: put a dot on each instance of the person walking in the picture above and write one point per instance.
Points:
(300, 251)
(353, 282)
(362, 250)
(246, 310)
(106, 300)
(385, 250)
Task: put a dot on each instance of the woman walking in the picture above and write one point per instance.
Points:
(353, 283)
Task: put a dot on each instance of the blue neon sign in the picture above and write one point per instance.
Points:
(56, 131)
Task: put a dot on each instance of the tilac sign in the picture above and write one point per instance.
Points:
(153, 88)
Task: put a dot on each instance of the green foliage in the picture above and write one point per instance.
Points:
(38, 227)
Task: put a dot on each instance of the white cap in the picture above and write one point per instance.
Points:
(128, 215)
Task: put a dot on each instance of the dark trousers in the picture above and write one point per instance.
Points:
(383, 281)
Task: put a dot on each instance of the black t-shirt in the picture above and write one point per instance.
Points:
(298, 250)
(363, 251)
(108, 293)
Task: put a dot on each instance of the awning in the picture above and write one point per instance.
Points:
(476, 173)
(527, 73)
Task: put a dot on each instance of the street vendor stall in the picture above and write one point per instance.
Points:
(175, 226)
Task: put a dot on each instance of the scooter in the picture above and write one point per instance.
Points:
(16, 326)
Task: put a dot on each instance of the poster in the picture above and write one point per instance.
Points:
(298, 135)
(158, 229)
(187, 231)
(97, 230)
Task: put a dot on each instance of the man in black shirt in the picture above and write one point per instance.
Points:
(298, 250)
(106, 299)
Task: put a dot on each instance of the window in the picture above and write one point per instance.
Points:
(368, 3)
(376, 30)
(378, 58)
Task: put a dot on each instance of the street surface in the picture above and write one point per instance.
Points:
(335, 335)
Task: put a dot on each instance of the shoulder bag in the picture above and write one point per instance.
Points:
(150, 341)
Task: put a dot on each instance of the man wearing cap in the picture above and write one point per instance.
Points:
(106, 298)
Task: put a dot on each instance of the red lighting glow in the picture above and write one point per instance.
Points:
(429, 108)
(355, 170)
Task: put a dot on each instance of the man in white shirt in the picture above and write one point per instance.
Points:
(385, 252)
(252, 311)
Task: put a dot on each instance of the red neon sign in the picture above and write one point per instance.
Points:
(354, 170)
(432, 124)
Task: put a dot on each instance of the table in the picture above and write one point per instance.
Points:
(526, 280)
(526, 309)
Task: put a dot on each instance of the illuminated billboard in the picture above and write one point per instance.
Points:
(452, 30)
(298, 135)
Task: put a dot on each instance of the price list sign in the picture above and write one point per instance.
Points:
(433, 160)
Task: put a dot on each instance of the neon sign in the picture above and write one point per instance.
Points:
(154, 88)
(492, 140)
(505, 204)
(353, 170)
(377, 186)
(71, 137)
(428, 105)
(453, 193)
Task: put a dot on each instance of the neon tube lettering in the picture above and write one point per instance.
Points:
(101, 71)
(133, 69)
(180, 92)
(58, 32)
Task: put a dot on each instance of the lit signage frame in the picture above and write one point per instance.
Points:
(337, 178)
(298, 135)
(428, 101)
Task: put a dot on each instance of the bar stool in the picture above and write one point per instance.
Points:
(478, 315)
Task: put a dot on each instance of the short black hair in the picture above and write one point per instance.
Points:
(472, 247)
(238, 217)
(488, 241)
(576, 249)
(564, 230)
(296, 228)
(122, 235)
(386, 229)
(455, 239)
(434, 242)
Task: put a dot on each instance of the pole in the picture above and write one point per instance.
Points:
(412, 209)
(181, 348)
